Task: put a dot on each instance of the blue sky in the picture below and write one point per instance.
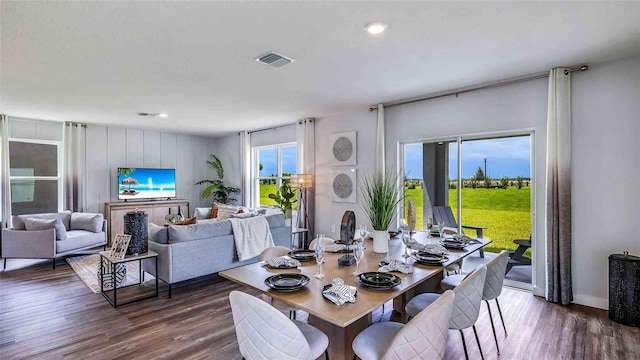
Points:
(269, 160)
(505, 157)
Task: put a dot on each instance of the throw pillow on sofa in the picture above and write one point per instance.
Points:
(18, 220)
(87, 221)
(32, 224)
(226, 211)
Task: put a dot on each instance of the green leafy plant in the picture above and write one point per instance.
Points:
(216, 188)
(283, 198)
(380, 197)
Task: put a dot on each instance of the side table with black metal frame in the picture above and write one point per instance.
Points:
(128, 258)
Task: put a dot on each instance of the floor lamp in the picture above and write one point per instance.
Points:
(302, 182)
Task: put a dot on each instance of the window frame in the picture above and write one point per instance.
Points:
(59, 152)
(255, 166)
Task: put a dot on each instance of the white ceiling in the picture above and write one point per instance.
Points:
(104, 62)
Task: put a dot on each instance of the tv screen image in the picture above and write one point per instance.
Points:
(146, 183)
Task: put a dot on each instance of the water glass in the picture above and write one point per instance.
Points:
(441, 228)
(319, 255)
(363, 231)
(406, 237)
(429, 225)
(358, 253)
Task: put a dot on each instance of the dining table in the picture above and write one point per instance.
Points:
(343, 323)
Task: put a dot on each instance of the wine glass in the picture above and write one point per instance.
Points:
(319, 255)
(363, 231)
(441, 228)
(429, 225)
(405, 240)
(358, 253)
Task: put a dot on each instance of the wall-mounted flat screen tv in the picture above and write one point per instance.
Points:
(146, 183)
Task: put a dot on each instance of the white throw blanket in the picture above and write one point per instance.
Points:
(251, 235)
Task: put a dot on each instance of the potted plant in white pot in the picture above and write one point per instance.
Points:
(380, 197)
(284, 198)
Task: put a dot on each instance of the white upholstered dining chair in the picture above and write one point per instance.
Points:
(268, 253)
(424, 337)
(265, 333)
(496, 270)
(466, 306)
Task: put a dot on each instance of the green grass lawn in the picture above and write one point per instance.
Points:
(505, 213)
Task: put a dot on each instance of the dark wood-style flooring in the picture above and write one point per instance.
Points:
(51, 314)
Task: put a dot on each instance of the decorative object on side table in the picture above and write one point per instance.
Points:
(380, 198)
(118, 251)
(135, 224)
(347, 233)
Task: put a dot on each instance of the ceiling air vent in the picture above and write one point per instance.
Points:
(275, 60)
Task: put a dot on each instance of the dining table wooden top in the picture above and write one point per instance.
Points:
(310, 298)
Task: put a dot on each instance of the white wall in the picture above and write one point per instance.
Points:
(327, 212)
(605, 173)
(111, 147)
(227, 149)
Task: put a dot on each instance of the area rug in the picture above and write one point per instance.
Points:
(86, 267)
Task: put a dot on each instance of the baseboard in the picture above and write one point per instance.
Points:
(591, 301)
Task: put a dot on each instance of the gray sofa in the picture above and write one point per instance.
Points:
(189, 251)
(51, 235)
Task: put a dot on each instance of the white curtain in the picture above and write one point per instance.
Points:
(305, 142)
(380, 159)
(74, 143)
(245, 159)
(558, 196)
(5, 185)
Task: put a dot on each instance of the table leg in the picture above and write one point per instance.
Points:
(340, 338)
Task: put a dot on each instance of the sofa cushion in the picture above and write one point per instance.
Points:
(189, 221)
(46, 224)
(202, 212)
(87, 221)
(199, 231)
(18, 220)
(159, 234)
(78, 239)
(213, 214)
(275, 220)
(226, 211)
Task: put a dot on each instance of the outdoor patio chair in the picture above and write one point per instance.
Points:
(444, 213)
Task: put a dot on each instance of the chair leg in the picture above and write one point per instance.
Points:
(4, 267)
(464, 345)
(355, 357)
(54, 263)
(501, 318)
(326, 354)
(493, 327)
(478, 341)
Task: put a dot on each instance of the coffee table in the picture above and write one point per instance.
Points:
(343, 323)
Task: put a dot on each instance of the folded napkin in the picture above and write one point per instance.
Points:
(434, 249)
(335, 247)
(462, 239)
(283, 261)
(394, 264)
(339, 293)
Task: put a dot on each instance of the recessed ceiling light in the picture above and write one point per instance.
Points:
(163, 115)
(376, 27)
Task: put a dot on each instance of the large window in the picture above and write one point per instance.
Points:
(35, 176)
(273, 165)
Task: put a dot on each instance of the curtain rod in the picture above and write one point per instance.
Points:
(536, 76)
(272, 127)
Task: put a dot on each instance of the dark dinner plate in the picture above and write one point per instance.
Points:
(283, 266)
(302, 255)
(287, 281)
(439, 261)
(453, 244)
(379, 280)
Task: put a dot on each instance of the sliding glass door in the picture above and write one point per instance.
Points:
(485, 181)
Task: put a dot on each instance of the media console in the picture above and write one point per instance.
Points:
(156, 211)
